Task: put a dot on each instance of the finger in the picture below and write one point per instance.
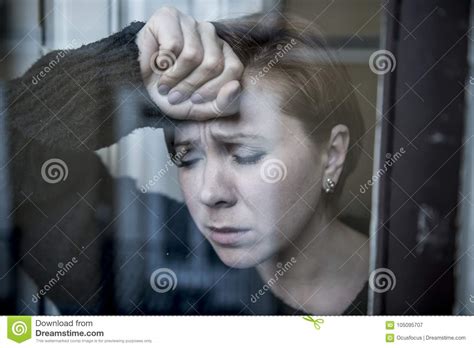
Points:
(233, 70)
(162, 32)
(211, 66)
(189, 58)
(227, 103)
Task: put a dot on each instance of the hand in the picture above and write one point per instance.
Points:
(189, 72)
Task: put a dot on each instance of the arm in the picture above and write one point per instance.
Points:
(63, 117)
(71, 100)
(64, 113)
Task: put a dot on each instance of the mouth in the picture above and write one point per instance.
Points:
(227, 236)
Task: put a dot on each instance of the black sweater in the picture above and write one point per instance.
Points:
(66, 106)
(65, 111)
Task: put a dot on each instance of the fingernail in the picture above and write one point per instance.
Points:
(196, 98)
(175, 97)
(163, 89)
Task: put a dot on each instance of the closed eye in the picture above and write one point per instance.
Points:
(246, 155)
(253, 159)
(186, 156)
(189, 163)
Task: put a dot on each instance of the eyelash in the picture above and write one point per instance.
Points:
(242, 160)
(248, 160)
(180, 163)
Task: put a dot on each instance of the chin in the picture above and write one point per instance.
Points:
(236, 258)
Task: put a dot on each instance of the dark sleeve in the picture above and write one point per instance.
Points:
(72, 98)
(68, 104)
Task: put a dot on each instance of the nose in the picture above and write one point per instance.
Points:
(217, 188)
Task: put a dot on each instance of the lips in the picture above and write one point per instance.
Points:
(227, 236)
(226, 229)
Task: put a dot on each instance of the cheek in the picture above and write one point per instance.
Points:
(280, 189)
(291, 201)
(302, 192)
(189, 187)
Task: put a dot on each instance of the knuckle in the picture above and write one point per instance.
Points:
(208, 27)
(186, 86)
(168, 10)
(190, 21)
(235, 67)
(170, 78)
(206, 92)
(175, 44)
(192, 56)
(213, 65)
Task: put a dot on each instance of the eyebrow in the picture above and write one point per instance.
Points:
(222, 136)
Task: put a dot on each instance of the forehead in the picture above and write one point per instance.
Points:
(259, 115)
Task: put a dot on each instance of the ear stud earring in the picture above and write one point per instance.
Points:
(330, 186)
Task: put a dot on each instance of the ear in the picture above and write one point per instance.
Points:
(338, 145)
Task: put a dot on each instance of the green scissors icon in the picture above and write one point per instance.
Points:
(316, 322)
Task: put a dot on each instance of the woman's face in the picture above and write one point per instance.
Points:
(251, 181)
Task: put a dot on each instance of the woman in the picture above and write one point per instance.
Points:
(262, 185)
(74, 109)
